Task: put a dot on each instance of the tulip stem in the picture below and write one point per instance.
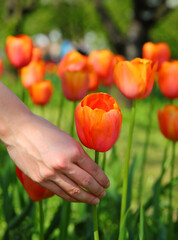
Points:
(73, 120)
(145, 150)
(126, 167)
(156, 213)
(95, 217)
(41, 220)
(66, 208)
(61, 104)
(170, 226)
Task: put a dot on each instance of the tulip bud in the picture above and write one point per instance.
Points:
(168, 122)
(19, 50)
(41, 92)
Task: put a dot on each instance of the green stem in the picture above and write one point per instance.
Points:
(126, 167)
(41, 220)
(104, 161)
(170, 226)
(66, 209)
(61, 104)
(145, 150)
(95, 217)
(73, 120)
(157, 212)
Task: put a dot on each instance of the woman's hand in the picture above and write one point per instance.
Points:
(53, 159)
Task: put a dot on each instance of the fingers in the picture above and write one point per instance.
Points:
(84, 179)
(75, 191)
(87, 164)
(58, 191)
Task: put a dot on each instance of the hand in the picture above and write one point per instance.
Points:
(53, 159)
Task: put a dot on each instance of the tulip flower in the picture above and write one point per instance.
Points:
(102, 62)
(74, 76)
(34, 191)
(168, 122)
(36, 54)
(168, 79)
(19, 50)
(98, 121)
(93, 81)
(135, 78)
(32, 73)
(41, 92)
(1, 67)
(156, 52)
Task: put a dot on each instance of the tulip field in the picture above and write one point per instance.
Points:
(125, 115)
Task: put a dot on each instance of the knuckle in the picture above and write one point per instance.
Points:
(75, 151)
(60, 164)
(74, 191)
(87, 181)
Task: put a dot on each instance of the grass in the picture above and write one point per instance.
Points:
(109, 217)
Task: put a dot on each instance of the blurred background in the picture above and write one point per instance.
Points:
(57, 26)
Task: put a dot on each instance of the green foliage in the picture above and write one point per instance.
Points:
(166, 31)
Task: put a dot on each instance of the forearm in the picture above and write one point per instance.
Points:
(13, 113)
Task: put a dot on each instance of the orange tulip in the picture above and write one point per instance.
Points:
(36, 54)
(41, 92)
(98, 121)
(19, 50)
(102, 62)
(34, 191)
(73, 61)
(74, 75)
(156, 52)
(32, 73)
(93, 81)
(135, 78)
(168, 79)
(1, 67)
(168, 122)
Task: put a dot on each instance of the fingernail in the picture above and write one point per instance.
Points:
(102, 194)
(95, 201)
(108, 185)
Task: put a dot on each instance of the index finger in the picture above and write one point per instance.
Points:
(86, 163)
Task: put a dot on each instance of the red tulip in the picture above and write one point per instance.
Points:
(34, 191)
(156, 52)
(19, 50)
(168, 122)
(98, 121)
(74, 75)
(102, 62)
(1, 67)
(135, 78)
(41, 92)
(168, 79)
(36, 54)
(32, 73)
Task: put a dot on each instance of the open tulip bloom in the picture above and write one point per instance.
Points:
(135, 79)
(98, 121)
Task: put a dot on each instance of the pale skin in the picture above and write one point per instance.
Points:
(47, 155)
